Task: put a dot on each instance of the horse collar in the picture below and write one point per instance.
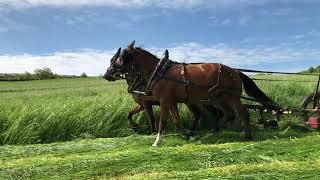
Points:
(157, 73)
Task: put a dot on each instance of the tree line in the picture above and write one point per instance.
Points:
(38, 74)
(313, 70)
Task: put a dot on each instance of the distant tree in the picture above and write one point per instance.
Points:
(56, 76)
(83, 75)
(28, 76)
(44, 73)
(311, 69)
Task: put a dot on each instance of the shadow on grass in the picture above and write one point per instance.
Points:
(292, 132)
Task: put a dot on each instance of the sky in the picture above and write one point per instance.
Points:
(75, 36)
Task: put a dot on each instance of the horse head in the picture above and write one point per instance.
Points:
(120, 63)
(130, 60)
(111, 71)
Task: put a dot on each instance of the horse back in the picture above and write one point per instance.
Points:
(211, 74)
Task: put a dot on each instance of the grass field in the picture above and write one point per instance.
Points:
(57, 110)
(53, 111)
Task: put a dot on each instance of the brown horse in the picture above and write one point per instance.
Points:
(208, 83)
(145, 104)
(137, 83)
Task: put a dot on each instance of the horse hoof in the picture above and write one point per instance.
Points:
(191, 133)
(248, 137)
(188, 133)
(216, 131)
(185, 136)
(135, 129)
(192, 138)
(154, 145)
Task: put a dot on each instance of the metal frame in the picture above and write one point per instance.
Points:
(315, 94)
(284, 110)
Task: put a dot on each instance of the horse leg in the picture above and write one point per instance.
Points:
(162, 123)
(228, 114)
(214, 113)
(150, 116)
(196, 116)
(176, 120)
(134, 111)
(244, 116)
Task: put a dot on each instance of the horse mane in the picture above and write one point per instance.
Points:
(150, 54)
(147, 52)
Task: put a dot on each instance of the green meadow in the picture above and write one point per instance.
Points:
(78, 129)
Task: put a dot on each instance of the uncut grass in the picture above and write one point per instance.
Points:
(64, 109)
(61, 114)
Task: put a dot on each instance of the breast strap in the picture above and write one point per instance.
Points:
(185, 80)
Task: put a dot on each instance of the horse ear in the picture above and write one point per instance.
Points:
(115, 57)
(118, 52)
(166, 54)
(130, 46)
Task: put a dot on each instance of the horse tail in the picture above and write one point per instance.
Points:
(254, 91)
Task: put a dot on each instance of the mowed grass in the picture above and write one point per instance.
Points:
(64, 109)
(273, 154)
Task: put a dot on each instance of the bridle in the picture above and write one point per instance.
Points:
(118, 70)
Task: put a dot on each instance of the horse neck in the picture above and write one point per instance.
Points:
(145, 63)
(135, 82)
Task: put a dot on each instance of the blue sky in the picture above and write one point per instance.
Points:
(72, 36)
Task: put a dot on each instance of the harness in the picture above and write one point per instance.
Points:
(157, 74)
(162, 67)
(214, 88)
(185, 80)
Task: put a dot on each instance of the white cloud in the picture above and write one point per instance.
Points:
(310, 34)
(236, 57)
(278, 11)
(95, 62)
(113, 3)
(242, 20)
(131, 3)
(136, 4)
(226, 22)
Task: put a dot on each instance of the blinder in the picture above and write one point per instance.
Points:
(119, 66)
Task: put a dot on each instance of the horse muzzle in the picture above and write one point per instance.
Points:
(108, 76)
